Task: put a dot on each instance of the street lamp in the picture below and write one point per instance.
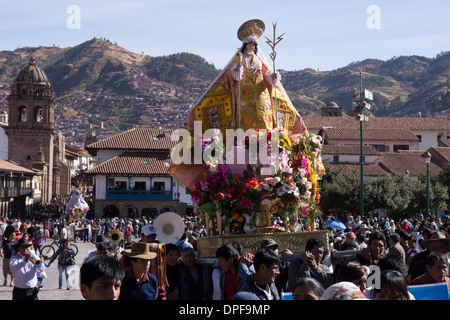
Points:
(361, 104)
(427, 160)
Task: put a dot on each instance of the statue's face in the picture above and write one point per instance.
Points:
(251, 46)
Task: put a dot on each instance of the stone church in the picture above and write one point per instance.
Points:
(33, 141)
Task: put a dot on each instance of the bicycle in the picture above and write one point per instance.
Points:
(49, 250)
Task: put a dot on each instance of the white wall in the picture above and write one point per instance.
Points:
(429, 138)
(100, 187)
(3, 144)
(179, 192)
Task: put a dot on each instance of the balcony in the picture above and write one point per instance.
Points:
(140, 195)
(13, 192)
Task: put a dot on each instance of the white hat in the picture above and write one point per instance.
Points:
(149, 229)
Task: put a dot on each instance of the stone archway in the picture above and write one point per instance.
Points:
(110, 211)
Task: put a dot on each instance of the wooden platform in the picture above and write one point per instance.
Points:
(294, 241)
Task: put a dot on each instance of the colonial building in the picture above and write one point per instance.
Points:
(16, 190)
(33, 142)
(131, 175)
(427, 130)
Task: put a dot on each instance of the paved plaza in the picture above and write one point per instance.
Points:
(50, 289)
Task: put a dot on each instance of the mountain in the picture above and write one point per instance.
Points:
(100, 82)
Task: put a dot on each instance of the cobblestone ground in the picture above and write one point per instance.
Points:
(50, 289)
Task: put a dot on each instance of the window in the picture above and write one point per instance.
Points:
(336, 159)
(400, 147)
(121, 185)
(380, 147)
(139, 185)
(38, 115)
(23, 114)
(111, 184)
(419, 136)
(159, 186)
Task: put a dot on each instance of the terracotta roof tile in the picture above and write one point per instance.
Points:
(444, 143)
(137, 139)
(9, 166)
(135, 163)
(315, 122)
(398, 163)
(440, 155)
(370, 170)
(385, 134)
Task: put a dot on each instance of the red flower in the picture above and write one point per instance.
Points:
(247, 185)
(220, 195)
(317, 199)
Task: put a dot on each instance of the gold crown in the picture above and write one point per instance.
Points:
(252, 28)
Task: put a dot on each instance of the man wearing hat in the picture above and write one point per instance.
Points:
(148, 233)
(438, 242)
(282, 278)
(139, 283)
(24, 267)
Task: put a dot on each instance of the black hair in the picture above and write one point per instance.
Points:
(238, 247)
(395, 281)
(377, 236)
(434, 257)
(314, 284)
(171, 247)
(313, 242)
(349, 245)
(350, 271)
(393, 263)
(245, 44)
(105, 246)
(360, 237)
(227, 251)
(394, 237)
(100, 266)
(266, 257)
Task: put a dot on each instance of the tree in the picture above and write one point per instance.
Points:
(444, 179)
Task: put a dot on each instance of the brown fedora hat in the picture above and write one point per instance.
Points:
(435, 236)
(140, 250)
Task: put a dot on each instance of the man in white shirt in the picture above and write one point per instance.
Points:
(24, 267)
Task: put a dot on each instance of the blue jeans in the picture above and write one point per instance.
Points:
(64, 270)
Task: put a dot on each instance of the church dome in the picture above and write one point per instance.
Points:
(332, 105)
(32, 74)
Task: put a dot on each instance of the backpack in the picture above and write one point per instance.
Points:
(128, 231)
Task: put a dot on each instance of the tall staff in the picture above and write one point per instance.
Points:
(239, 61)
(273, 55)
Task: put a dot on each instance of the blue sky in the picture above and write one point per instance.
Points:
(323, 35)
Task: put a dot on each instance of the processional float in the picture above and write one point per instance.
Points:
(247, 157)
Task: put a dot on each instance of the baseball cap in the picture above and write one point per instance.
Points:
(350, 235)
(148, 229)
(268, 243)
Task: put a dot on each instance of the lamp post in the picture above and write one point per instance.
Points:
(427, 160)
(361, 104)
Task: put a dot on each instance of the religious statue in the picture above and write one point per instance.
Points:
(243, 94)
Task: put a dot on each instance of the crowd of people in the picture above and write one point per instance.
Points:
(406, 254)
(139, 267)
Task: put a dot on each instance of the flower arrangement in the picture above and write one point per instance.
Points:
(292, 192)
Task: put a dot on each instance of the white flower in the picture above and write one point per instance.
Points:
(308, 185)
(307, 195)
(280, 192)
